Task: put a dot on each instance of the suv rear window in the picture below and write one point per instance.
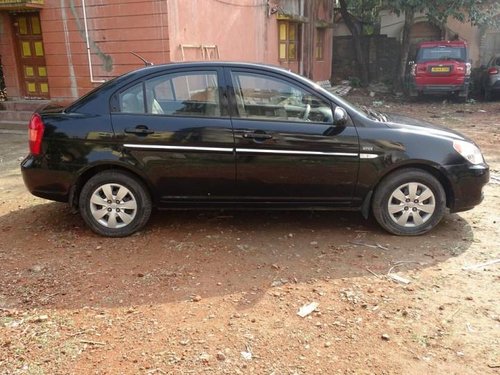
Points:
(442, 53)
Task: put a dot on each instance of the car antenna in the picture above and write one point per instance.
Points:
(146, 62)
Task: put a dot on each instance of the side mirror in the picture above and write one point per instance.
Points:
(340, 116)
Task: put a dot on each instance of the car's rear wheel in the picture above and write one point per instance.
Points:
(409, 202)
(115, 204)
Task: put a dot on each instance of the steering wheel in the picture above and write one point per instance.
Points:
(306, 113)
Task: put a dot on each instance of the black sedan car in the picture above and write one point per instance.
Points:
(243, 136)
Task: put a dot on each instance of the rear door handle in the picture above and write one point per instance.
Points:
(256, 135)
(139, 130)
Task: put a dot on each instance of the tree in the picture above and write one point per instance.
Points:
(356, 14)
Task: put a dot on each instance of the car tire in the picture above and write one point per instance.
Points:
(115, 204)
(409, 202)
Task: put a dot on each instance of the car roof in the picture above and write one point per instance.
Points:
(207, 64)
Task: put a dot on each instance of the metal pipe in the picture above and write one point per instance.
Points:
(87, 40)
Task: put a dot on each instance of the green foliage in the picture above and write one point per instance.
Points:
(354, 81)
(477, 12)
(367, 14)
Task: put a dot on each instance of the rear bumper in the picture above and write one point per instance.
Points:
(45, 183)
(440, 89)
(467, 182)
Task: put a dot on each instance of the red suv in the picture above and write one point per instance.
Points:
(441, 67)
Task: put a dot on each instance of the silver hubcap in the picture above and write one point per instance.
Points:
(113, 206)
(412, 204)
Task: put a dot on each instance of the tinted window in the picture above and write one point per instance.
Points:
(269, 98)
(442, 53)
(132, 99)
(184, 94)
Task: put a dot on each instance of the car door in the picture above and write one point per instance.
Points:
(175, 127)
(288, 148)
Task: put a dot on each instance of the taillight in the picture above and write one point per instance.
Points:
(493, 71)
(414, 70)
(468, 69)
(36, 129)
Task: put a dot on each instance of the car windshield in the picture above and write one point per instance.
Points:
(441, 53)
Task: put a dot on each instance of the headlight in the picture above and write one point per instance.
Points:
(469, 151)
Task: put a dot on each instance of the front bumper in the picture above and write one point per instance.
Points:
(467, 182)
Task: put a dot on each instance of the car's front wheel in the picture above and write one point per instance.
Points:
(115, 204)
(409, 202)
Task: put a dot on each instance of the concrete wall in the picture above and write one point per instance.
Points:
(382, 54)
(469, 33)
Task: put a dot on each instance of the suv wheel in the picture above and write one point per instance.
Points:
(114, 204)
(409, 202)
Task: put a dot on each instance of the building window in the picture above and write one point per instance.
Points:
(320, 43)
(288, 40)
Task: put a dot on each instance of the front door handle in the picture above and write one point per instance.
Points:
(257, 135)
(139, 130)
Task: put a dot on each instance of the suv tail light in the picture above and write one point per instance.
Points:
(493, 71)
(36, 129)
(414, 70)
(468, 69)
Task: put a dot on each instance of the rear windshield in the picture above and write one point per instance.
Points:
(442, 53)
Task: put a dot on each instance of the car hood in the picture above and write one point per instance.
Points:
(412, 125)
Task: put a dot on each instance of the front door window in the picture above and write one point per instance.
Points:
(268, 98)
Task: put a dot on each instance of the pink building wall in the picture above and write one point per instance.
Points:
(241, 33)
(8, 56)
(247, 33)
(115, 28)
(155, 29)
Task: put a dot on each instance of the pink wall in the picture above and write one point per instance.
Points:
(246, 33)
(322, 69)
(241, 33)
(8, 59)
(116, 27)
(154, 29)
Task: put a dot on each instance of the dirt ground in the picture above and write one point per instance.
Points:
(219, 292)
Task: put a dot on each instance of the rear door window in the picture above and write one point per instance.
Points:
(175, 94)
(184, 94)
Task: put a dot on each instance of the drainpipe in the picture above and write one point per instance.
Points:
(302, 47)
(87, 40)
